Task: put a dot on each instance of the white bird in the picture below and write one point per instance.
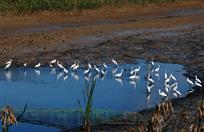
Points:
(76, 67)
(51, 65)
(96, 68)
(86, 71)
(152, 62)
(157, 69)
(65, 71)
(9, 62)
(103, 72)
(162, 93)
(115, 62)
(167, 80)
(190, 91)
(174, 86)
(104, 65)
(165, 75)
(166, 89)
(25, 64)
(173, 77)
(150, 79)
(133, 77)
(7, 66)
(149, 87)
(197, 79)
(60, 65)
(157, 75)
(136, 70)
(73, 65)
(189, 81)
(198, 84)
(177, 92)
(89, 65)
(53, 61)
(119, 75)
(38, 65)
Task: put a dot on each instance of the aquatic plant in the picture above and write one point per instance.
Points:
(8, 118)
(88, 99)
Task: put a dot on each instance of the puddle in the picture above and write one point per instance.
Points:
(52, 97)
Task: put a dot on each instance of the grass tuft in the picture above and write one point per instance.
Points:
(28, 6)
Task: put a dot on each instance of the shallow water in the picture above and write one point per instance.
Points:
(52, 97)
(22, 127)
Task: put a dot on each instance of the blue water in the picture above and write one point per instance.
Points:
(45, 89)
(23, 127)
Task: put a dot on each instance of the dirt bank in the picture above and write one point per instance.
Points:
(93, 34)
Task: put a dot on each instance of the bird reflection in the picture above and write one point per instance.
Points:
(25, 73)
(37, 72)
(133, 83)
(96, 76)
(53, 71)
(157, 75)
(119, 80)
(8, 75)
(148, 97)
(114, 71)
(75, 76)
(87, 77)
(65, 77)
(59, 75)
(103, 74)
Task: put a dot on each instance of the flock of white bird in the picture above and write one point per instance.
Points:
(170, 84)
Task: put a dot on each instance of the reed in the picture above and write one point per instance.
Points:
(88, 99)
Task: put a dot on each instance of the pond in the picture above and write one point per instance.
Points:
(52, 97)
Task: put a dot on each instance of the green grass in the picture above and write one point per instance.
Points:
(27, 6)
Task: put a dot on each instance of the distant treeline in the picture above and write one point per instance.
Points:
(64, 5)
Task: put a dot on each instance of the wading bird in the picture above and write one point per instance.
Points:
(25, 64)
(96, 69)
(60, 65)
(162, 93)
(9, 62)
(197, 79)
(115, 62)
(104, 65)
(37, 65)
(52, 62)
(157, 69)
(76, 67)
(73, 65)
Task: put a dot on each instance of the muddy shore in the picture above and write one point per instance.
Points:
(171, 33)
